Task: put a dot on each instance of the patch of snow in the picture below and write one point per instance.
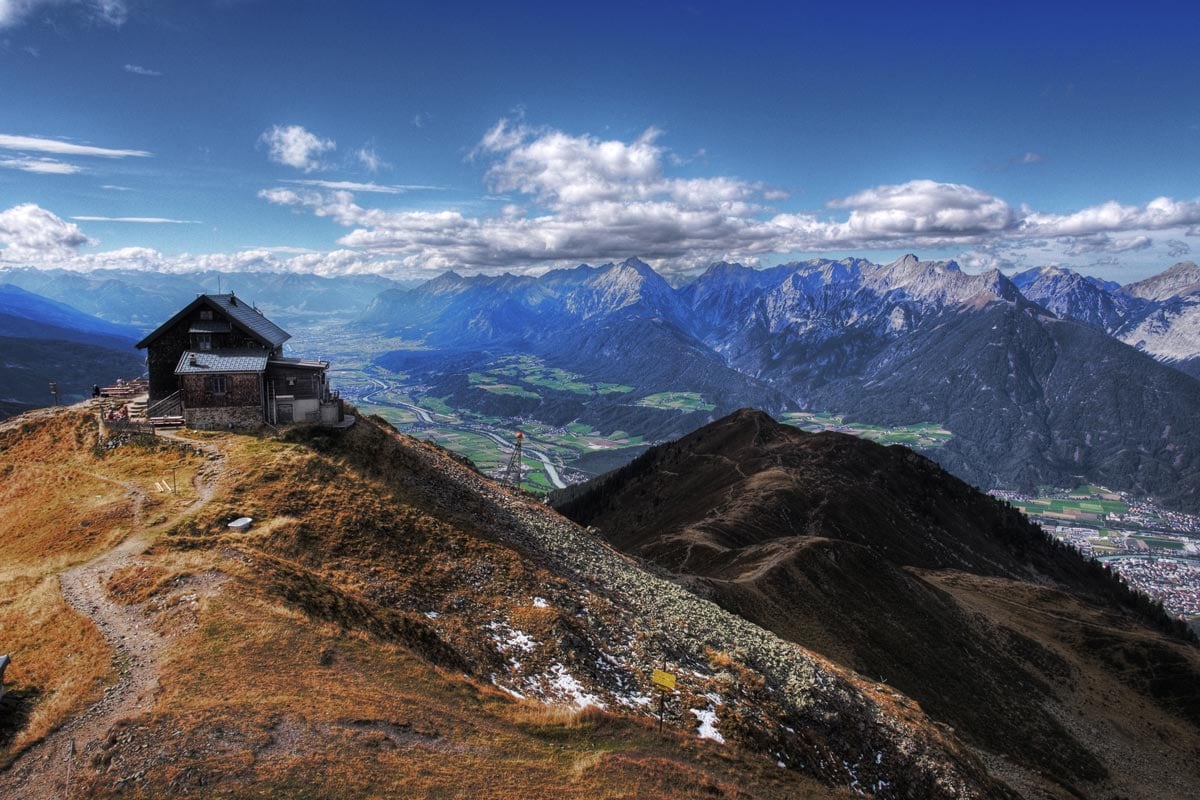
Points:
(540, 602)
(509, 638)
(781, 764)
(504, 688)
(565, 684)
(708, 724)
(432, 614)
(634, 700)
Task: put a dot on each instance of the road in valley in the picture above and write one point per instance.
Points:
(551, 472)
(426, 418)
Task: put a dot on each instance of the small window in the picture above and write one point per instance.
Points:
(206, 314)
(291, 382)
(218, 384)
(203, 341)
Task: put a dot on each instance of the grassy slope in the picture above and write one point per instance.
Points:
(62, 506)
(294, 678)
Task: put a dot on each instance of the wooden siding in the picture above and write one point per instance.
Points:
(307, 384)
(242, 389)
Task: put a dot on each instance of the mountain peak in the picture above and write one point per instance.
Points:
(447, 278)
(1182, 278)
(725, 268)
(637, 264)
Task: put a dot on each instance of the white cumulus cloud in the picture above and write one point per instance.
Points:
(1112, 217)
(29, 233)
(293, 146)
(370, 159)
(564, 198)
(1103, 243)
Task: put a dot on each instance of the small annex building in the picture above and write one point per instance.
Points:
(219, 363)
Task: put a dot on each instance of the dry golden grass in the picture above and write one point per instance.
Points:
(300, 675)
(265, 701)
(57, 653)
(64, 505)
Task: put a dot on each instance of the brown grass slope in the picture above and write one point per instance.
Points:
(348, 643)
(888, 565)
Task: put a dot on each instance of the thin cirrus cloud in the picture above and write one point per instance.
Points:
(354, 186)
(584, 198)
(147, 220)
(145, 71)
(37, 144)
(16, 12)
(42, 166)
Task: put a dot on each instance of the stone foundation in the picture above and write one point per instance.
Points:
(223, 417)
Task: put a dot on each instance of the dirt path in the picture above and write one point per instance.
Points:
(43, 771)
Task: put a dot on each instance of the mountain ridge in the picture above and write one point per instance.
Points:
(881, 560)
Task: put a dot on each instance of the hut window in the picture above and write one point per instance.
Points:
(218, 384)
(206, 314)
(203, 341)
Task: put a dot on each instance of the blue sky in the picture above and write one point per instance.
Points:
(360, 136)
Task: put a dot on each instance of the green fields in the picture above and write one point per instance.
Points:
(475, 435)
(534, 372)
(676, 401)
(1166, 544)
(491, 384)
(1072, 508)
(921, 436)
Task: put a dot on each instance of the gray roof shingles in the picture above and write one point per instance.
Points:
(242, 315)
(249, 318)
(215, 361)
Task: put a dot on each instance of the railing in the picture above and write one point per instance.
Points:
(169, 406)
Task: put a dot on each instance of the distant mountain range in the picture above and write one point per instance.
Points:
(885, 563)
(42, 340)
(144, 300)
(1036, 390)
(621, 324)
(1159, 315)
(1050, 377)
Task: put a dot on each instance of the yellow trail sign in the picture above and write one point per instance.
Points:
(663, 680)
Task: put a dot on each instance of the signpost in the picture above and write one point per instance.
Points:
(54, 391)
(665, 681)
(70, 763)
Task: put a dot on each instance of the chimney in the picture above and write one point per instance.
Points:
(193, 359)
(232, 299)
